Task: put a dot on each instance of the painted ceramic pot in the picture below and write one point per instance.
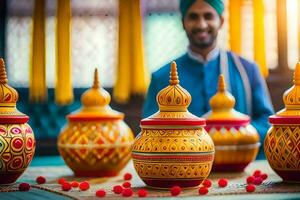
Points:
(173, 147)
(236, 140)
(282, 143)
(96, 141)
(17, 143)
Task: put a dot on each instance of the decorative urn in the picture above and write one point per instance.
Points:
(282, 143)
(96, 141)
(173, 148)
(236, 140)
(17, 143)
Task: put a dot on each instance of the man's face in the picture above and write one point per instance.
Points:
(202, 23)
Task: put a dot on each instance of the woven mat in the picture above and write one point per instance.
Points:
(236, 183)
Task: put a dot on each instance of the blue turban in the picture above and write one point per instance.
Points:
(218, 5)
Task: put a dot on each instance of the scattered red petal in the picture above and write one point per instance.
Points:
(207, 183)
(24, 186)
(40, 180)
(257, 181)
(142, 193)
(203, 190)
(175, 190)
(264, 176)
(127, 176)
(222, 182)
(250, 179)
(66, 186)
(118, 189)
(250, 188)
(100, 193)
(257, 173)
(127, 192)
(74, 184)
(126, 184)
(61, 180)
(83, 186)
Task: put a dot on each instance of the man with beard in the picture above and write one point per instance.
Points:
(201, 66)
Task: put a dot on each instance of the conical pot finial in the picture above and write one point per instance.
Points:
(96, 84)
(297, 74)
(8, 95)
(221, 83)
(222, 100)
(173, 97)
(3, 76)
(174, 79)
(291, 97)
(96, 96)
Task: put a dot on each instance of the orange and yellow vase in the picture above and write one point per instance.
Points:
(282, 143)
(173, 148)
(236, 140)
(96, 141)
(17, 143)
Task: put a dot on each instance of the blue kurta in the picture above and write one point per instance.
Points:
(201, 80)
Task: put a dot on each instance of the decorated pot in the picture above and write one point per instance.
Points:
(236, 140)
(96, 141)
(173, 148)
(282, 143)
(17, 143)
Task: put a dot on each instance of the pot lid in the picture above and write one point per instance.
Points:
(291, 98)
(173, 102)
(95, 105)
(9, 114)
(222, 108)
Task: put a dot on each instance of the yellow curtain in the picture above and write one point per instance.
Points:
(235, 25)
(63, 83)
(37, 75)
(259, 36)
(131, 73)
(298, 29)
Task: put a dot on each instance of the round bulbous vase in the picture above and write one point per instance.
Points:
(17, 147)
(173, 153)
(236, 145)
(96, 148)
(282, 147)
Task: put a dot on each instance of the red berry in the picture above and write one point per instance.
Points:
(264, 176)
(257, 181)
(126, 184)
(61, 181)
(100, 193)
(74, 184)
(257, 173)
(66, 186)
(250, 188)
(127, 176)
(118, 189)
(203, 190)
(175, 190)
(207, 183)
(127, 192)
(40, 180)
(222, 182)
(83, 186)
(142, 193)
(250, 179)
(24, 186)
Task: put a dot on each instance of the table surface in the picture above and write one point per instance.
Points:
(53, 168)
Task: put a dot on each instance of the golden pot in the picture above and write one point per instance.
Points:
(282, 143)
(173, 148)
(236, 140)
(17, 143)
(96, 141)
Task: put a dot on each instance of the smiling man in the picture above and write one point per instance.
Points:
(203, 62)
